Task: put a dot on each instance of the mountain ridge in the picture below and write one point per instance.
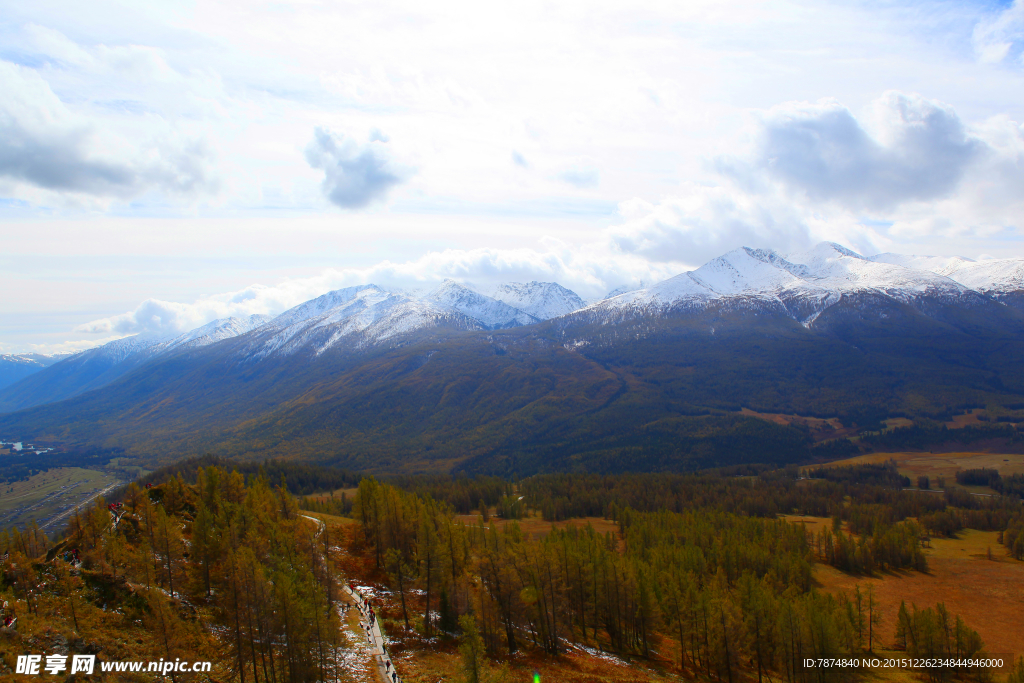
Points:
(649, 379)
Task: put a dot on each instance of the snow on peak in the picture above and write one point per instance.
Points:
(315, 308)
(224, 328)
(822, 253)
(41, 360)
(991, 276)
(820, 276)
(940, 265)
(542, 300)
(622, 289)
(492, 313)
(368, 314)
(747, 270)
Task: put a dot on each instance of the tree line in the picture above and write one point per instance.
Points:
(234, 546)
(729, 592)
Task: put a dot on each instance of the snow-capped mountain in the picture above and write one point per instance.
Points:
(542, 300)
(101, 365)
(804, 284)
(29, 359)
(215, 331)
(492, 313)
(367, 315)
(995, 277)
(826, 331)
(800, 286)
(151, 344)
(15, 366)
(363, 315)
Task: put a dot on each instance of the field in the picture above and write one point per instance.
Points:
(536, 527)
(330, 519)
(442, 663)
(820, 429)
(987, 593)
(49, 494)
(915, 464)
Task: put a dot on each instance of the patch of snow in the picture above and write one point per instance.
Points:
(491, 313)
(991, 276)
(818, 278)
(542, 300)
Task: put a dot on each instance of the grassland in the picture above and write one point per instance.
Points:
(48, 495)
(442, 663)
(987, 593)
(914, 464)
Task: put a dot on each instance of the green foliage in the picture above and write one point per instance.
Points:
(884, 474)
(299, 478)
(246, 545)
(1010, 485)
(1017, 674)
(1013, 536)
(933, 633)
(472, 649)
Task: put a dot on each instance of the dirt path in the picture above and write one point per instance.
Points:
(365, 647)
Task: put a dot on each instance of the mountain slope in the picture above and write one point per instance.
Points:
(16, 366)
(542, 300)
(356, 318)
(99, 366)
(649, 393)
(1001, 279)
(649, 380)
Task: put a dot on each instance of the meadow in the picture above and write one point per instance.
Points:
(914, 464)
(48, 494)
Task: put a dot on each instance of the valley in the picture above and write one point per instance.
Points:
(696, 480)
(48, 498)
(988, 591)
(584, 578)
(941, 464)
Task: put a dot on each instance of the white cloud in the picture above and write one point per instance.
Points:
(581, 176)
(67, 347)
(591, 272)
(46, 147)
(822, 153)
(702, 222)
(995, 37)
(354, 175)
(908, 170)
(139, 113)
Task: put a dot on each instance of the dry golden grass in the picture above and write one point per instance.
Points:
(821, 429)
(442, 663)
(988, 594)
(114, 636)
(48, 493)
(330, 519)
(812, 524)
(914, 464)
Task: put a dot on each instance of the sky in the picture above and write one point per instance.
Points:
(164, 164)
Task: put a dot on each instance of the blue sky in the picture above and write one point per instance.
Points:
(225, 158)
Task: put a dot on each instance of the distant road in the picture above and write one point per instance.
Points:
(67, 513)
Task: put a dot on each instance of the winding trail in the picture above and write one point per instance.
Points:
(371, 633)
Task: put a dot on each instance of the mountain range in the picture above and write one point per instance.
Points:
(530, 378)
(15, 366)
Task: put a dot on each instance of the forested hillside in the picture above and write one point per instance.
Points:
(693, 575)
(648, 393)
